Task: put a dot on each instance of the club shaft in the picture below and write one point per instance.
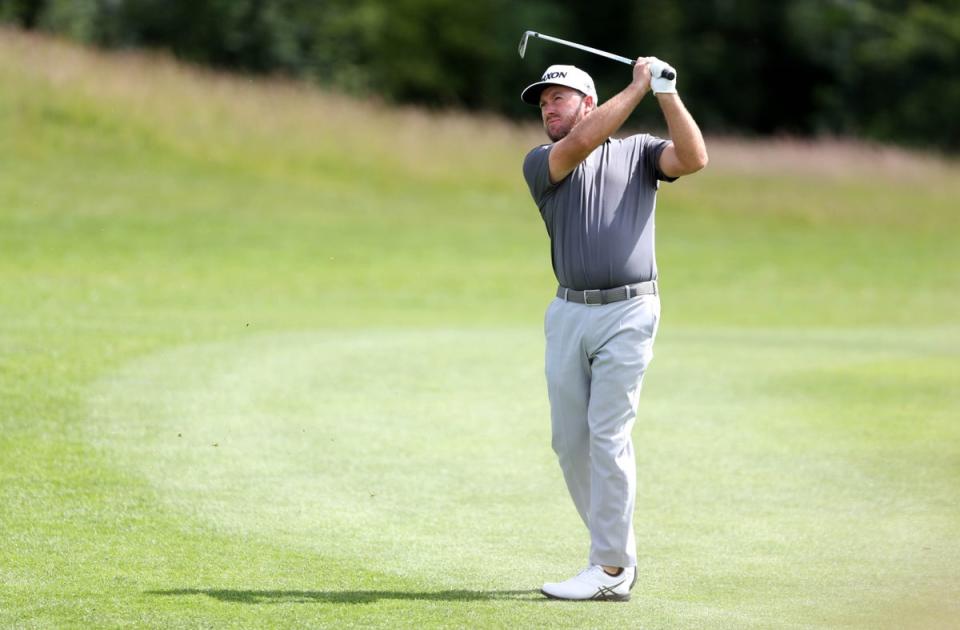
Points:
(588, 49)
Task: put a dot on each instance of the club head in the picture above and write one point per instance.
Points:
(522, 49)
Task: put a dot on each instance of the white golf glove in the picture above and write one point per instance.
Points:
(658, 84)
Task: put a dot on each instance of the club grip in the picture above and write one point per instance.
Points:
(664, 74)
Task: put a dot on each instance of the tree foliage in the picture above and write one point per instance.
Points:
(884, 69)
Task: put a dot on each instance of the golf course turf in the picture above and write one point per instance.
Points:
(271, 357)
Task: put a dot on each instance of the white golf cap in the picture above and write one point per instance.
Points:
(570, 76)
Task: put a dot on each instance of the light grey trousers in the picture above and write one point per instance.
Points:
(595, 360)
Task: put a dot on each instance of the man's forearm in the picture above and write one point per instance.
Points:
(603, 122)
(684, 133)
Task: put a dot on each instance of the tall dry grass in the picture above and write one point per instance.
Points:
(828, 157)
(212, 114)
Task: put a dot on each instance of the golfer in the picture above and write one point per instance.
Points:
(597, 196)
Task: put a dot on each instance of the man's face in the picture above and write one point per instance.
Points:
(561, 108)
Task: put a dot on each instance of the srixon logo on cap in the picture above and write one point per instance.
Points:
(553, 75)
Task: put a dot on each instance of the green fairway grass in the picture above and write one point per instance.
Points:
(273, 358)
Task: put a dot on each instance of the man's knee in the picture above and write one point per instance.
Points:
(611, 454)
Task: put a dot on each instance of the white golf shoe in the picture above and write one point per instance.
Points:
(594, 583)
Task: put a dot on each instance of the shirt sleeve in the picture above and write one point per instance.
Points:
(536, 170)
(653, 147)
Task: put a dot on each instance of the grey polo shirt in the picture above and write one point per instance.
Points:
(600, 218)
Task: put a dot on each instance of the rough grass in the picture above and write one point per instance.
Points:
(272, 358)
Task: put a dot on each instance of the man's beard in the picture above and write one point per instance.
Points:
(564, 130)
(560, 133)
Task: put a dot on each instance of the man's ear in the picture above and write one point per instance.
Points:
(589, 104)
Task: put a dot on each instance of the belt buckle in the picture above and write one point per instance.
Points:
(592, 292)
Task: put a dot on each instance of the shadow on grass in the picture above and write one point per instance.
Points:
(347, 597)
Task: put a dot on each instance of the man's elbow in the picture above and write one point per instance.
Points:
(700, 158)
(696, 162)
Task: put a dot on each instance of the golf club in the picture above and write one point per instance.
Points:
(666, 74)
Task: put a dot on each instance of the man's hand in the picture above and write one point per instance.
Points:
(660, 84)
(641, 74)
